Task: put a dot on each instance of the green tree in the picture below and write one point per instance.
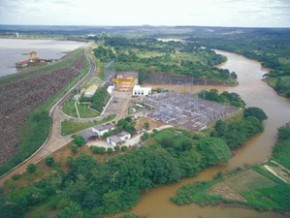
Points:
(112, 201)
(69, 161)
(284, 132)
(146, 125)
(221, 128)
(129, 215)
(255, 112)
(74, 148)
(49, 161)
(78, 140)
(214, 150)
(110, 150)
(117, 148)
(124, 148)
(144, 137)
(31, 168)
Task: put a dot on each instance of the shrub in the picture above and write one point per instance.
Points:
(98, 150)
(79, 140)
(16, 177)
(124, 148)
(31, 168)
(49, 161)
(256, 112)
(70, 161)
(74, 148)
(145, 136)
(117, 148)
(146, 125)
(110, 150)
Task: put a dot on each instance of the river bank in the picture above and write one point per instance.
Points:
(255, 92)
(263, 186)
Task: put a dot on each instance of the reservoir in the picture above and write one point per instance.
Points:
(156, 202)
(14, 50)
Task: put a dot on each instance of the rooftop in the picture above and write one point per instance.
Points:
(104, 127)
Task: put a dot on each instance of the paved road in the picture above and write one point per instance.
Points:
(55, 141)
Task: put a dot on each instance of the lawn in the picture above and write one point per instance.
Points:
(69, 108)
(69, 127)
(84, 109)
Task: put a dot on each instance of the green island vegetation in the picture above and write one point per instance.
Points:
(148, 55)
(35, 130)
(268, 45)
(225, 97)
(69, 126)
(253, 186)
(281, 151)
(90, 188)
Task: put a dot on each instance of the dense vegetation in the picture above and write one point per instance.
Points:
(281, 151)
(99, 99)
(149, 55)
(235, 133)
(225, 97)
(90, 189)
(270, 46)
(261, 190)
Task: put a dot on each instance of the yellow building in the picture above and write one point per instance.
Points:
(124, 83)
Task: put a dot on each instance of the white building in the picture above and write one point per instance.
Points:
(110, 89)
(141, 91)
(90, 91)
(118, 139)
(102, 129)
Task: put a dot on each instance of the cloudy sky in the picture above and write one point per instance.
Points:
(241, 13)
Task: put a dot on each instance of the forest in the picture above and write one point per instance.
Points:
(149, 55)
(89, 188)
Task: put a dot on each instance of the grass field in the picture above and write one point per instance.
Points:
(255, 187)
(69, 127)
(85, 110)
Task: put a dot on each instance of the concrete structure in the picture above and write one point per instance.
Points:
(125, 81)
(118, 139)
(88, 135)
(141, 91)
(110, 89)
(102, 129)
(90, 91)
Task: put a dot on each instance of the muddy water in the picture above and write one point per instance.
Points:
(156, 203)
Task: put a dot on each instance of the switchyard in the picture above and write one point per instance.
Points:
(185, 110)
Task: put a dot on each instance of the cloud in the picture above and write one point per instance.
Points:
(154, 12)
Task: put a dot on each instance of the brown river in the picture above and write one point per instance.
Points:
(156, 203)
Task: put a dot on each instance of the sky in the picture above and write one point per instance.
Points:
(234, 13)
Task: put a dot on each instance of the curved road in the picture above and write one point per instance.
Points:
(55, 141)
